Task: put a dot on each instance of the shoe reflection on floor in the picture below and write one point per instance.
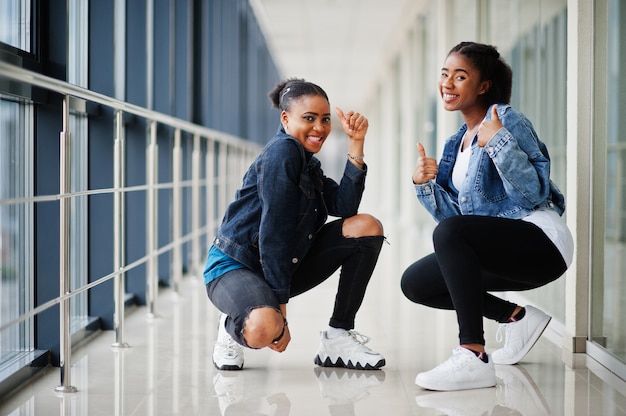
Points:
(342, 387)
(473, 402)
(230, 391)
(517, 390)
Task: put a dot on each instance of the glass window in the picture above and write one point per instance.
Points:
(532, 38)
(78, 38)
(16, 224)
(608, 290)
(15, 23)
(77, 74)
(79, 216)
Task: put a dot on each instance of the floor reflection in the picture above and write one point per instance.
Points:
(475, 402)
(342, 387)
(516, 393)
(517, 390)
(167, 369)
(235, 400)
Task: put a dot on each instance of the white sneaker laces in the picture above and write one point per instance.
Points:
(358, 337)
(230, 347)
(454, 361)
(507, 329)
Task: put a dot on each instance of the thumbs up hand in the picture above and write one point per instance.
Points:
(426, 167)
(489, 127)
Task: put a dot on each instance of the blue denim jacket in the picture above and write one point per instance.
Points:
(509, 177)
(283, 202)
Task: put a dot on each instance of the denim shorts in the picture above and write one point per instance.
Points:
(238, 292)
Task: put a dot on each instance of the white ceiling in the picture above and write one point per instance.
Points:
(339, 44)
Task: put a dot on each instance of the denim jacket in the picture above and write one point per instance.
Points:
(283, 202)
(509, 177)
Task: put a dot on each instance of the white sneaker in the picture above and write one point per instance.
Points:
(463, 370)
(520, 336)
(517, 391)
(227, 354)
(347, 350)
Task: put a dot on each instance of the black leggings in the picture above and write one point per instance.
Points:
(475, 255)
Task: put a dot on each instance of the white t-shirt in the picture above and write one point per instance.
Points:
(460, 166)
(555, 228)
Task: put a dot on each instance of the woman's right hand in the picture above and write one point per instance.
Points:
(354, 124)
(281, 344)
(426, 167)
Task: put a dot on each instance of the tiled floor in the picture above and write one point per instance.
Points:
(167, 368)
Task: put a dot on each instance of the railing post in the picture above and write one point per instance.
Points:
(195, 207)
(177, 210)
(223, 178)
(152, 278)
(211, 194)
(119, 235)
(65, 339)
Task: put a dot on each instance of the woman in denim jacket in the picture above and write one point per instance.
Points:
(499, 220)
(274, 242)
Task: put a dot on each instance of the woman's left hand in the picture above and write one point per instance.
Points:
(489, 128)
(354, 124)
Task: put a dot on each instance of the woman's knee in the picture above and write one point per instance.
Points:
(418, 282)
(409, 286)
(362, 225)
(447, 229)
(262, 326)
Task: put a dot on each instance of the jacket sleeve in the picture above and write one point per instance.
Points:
(343, 199)
(516, 153)
(436, 200)
(278, 184)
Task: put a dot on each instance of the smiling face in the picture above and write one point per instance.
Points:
(308, 121)
(460, 85)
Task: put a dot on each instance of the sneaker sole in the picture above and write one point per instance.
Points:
(228, 367)
(531, 343)
(339, 363)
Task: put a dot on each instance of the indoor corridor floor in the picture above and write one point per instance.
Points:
(167, 368)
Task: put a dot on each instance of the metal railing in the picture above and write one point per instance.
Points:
(212, 151)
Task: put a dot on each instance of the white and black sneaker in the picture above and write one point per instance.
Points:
(227, 354)
(347, 350)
